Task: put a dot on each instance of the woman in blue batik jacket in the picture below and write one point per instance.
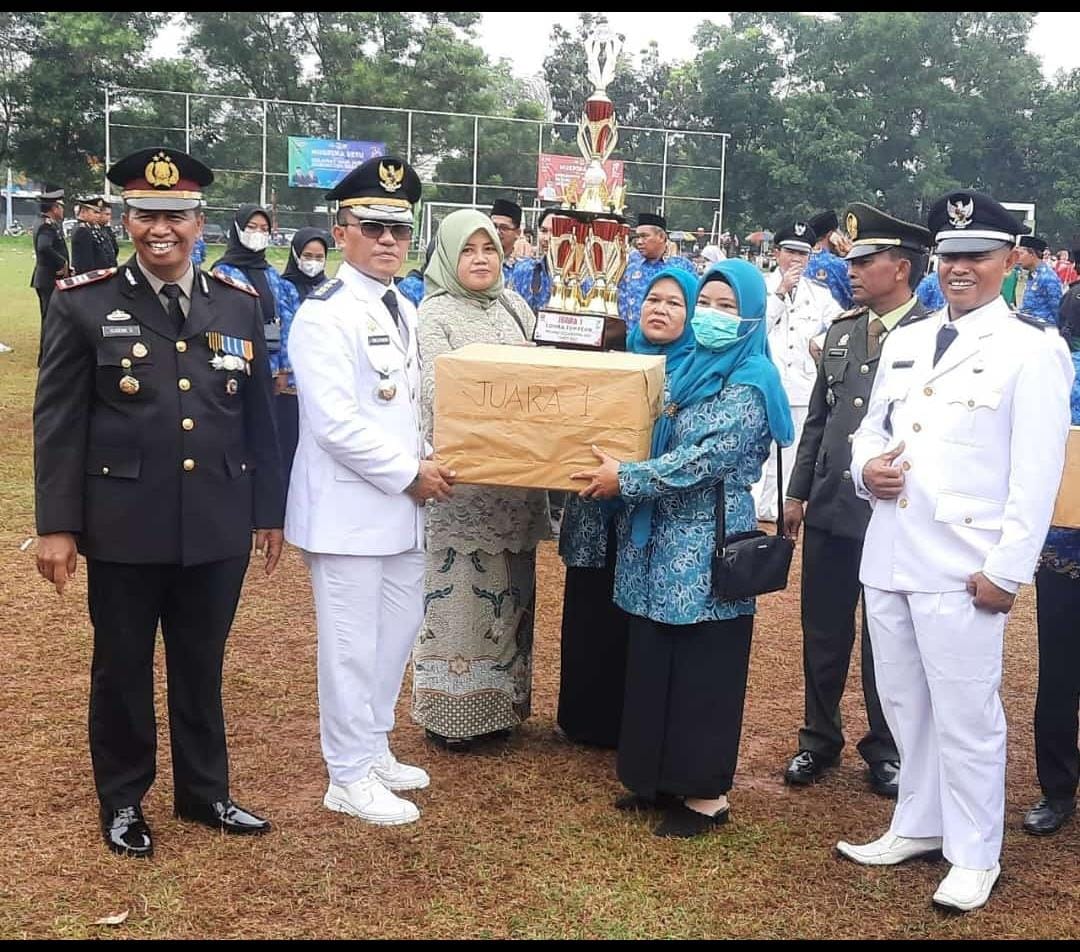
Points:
(592, 673)
(689, 654)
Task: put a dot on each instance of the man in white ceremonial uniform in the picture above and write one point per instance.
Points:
(960, 454)
(798, 309)
(359, 483)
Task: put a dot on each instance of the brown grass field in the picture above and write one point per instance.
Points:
(518, 840)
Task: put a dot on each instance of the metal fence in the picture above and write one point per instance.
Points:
(461, 158)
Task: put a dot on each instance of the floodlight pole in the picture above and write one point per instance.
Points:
(720, 210)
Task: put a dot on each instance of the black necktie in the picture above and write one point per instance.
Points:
(173, 292)
(945, 336)
(390, 300)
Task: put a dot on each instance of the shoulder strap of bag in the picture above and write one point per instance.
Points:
(504, 300)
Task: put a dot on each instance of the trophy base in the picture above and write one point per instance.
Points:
(579, 330)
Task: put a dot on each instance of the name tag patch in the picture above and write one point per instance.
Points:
(902, 364)
(121, 330)
(837, 352)
(377, 340)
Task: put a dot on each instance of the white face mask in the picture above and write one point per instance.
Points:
(255, 240)
(312, 268)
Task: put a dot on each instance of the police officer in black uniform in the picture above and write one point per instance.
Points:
(156, 458)
(886, 262)
(91, 247)
(51, 260)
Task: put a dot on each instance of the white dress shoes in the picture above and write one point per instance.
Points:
(966, 889)
(890, 849)
(369, 800)
(398, 776)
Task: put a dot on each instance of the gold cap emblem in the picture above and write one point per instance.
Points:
(391, 178)
(851, 225)
(960, 211)
(129, 384)
(161, 171)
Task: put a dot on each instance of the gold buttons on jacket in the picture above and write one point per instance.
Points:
(181, 346)
(929, 391)
(916, 427)
(183, 383)
(903, 504)
(125, 362)
(845, 474)
(864, 369)
(189, 465)
(858, 401)
(139, 349)
(905, 466)
(187, 423)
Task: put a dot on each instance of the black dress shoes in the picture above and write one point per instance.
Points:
(681, 821)
(806, 767)
(885, 778)
(126, 832)
(1048, 815)
(223, 815)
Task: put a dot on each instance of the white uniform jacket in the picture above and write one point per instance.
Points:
(357, 452)
(984, 437)
(792, 323)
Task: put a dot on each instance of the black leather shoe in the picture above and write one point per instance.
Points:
(1048, 815)
(885, 778)
(126, 831)
(806, 767)
(681, 821)
(223, 815)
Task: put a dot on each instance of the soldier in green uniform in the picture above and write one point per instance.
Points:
(886, 261)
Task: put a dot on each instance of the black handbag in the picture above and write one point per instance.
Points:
(751, 563)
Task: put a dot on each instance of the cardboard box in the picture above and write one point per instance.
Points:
(1067, 509)
(527, 416)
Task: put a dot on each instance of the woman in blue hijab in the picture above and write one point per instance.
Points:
(689, 654)
(592, 670)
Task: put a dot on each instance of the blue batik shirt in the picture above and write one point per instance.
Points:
(929, 292)
(1062, 551)
(638, 276)
(527, 273)
(723, 437)
(826, 268)
(1042, 296)
(412, 286)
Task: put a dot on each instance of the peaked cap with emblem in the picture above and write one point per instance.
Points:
(1038, 245)
(969, 222)
(46, 200)
(99, 202)
(160, 179)
(797, 236)
(383, 188)
(871, 230)
(823, 222)
(648, 218)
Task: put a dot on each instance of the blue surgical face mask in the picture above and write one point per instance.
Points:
(714, 329)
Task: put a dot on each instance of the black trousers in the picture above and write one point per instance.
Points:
(43, 303)
(683, 708)
(195, 606)
(830, 596)
(592, 671)
(287, 411)
(1058, 611)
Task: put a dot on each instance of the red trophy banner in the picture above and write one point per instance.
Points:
(557, 173)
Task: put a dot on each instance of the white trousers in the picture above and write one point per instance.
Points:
(368, 610)
(764, 490)
(937, 659)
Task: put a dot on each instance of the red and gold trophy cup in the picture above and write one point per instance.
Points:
(589, 245)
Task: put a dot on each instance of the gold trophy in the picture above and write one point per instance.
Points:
(589, 246)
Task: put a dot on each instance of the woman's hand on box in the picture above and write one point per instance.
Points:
(603, 481)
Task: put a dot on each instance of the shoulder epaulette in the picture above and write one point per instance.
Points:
(852, 314)
(326, 289)
(1032, 320)
(233, 283)
(87, 277)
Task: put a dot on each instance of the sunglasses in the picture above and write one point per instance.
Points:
(375, 229)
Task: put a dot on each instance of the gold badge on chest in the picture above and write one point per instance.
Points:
(129, 384)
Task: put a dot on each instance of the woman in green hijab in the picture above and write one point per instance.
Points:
(472, 664)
